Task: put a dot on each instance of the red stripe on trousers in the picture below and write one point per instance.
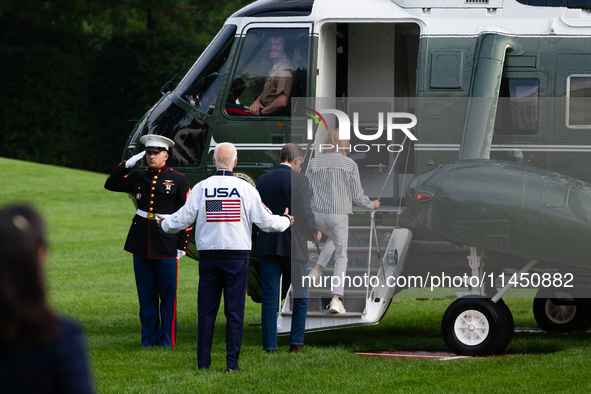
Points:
(174, 314)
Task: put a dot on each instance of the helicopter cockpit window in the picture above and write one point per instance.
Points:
(578, 95)
(201, 85)
(273, 68)
(517, 111)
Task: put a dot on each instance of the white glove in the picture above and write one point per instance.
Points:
(134, 159)
(179, 254)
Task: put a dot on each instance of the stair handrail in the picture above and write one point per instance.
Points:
(372, 223)
(392, 167)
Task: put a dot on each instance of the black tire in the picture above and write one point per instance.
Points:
(491, 332)
(507, 328)
(561, 311)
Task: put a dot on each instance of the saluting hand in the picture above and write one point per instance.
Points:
(134, 159)
(291, 219)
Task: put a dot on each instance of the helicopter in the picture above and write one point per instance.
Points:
(496, 94)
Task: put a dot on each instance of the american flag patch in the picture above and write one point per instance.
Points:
(222, 210)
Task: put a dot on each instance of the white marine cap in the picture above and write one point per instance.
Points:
(156, 143)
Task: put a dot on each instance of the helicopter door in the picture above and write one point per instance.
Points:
(368, 69)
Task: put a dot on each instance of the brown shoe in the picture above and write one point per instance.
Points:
(295, 348)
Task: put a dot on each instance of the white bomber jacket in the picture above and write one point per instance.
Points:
(224, 209)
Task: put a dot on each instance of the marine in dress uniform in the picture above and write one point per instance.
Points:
(157, 190)
(224, 209)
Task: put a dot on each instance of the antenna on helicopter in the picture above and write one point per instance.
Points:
(165, 89)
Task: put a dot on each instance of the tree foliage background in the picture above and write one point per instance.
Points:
(76, 74)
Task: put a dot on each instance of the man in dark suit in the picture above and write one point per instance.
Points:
(286, 252)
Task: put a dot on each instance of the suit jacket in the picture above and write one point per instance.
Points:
(277, 189)
(162, 191)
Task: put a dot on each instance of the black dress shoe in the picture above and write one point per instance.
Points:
(295, 348)
(230, 370)
(271, 350)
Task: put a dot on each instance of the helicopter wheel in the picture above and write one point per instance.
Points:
(477, 326)
(560, 311)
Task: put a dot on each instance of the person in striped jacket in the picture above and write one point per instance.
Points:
(335, 185)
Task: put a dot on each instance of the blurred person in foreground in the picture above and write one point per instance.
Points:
(40, 352)
(335, 184)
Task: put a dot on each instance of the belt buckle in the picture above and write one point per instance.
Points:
(151, 216)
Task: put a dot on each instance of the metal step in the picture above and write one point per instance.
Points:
(345, 315)
(353, 249)
(363, 249)
(358, 262)
(359, 236)
(379, 228)
(319, 304)
(358, 246)
(325, 292)
(351, 271)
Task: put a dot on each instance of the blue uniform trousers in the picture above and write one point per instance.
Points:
(271, 269)
(156, 281)
(231, 275)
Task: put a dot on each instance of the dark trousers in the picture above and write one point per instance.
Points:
(272, 267)
(156, 282)
(215, 275)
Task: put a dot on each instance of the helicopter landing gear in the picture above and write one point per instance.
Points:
(477, 326)
(561, 311)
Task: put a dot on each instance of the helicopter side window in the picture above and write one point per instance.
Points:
(201, 85)
(517, 111)
(578, 95)
(272, 68)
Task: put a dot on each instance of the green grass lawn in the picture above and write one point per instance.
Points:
(91, 279)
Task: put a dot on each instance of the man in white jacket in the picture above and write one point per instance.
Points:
(224, 208)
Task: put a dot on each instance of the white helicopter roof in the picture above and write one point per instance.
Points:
(439, 17)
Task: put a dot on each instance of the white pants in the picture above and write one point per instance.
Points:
(336, 227)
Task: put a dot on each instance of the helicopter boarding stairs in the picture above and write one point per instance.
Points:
(365, 305)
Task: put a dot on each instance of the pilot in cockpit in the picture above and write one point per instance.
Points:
(275, 95)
